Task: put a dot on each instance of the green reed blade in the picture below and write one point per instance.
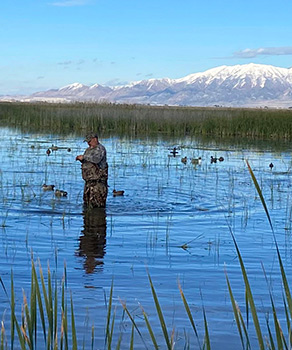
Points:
(2, 336)
(119, 342)
(109, 310)
(260, 194)
(28, 323)
(39, 299)
(276, 321)
(50, 300)
(12, 307)
(244, 328)
(234, 307)
(148, 325)
(271, 345)
(14, 321)
(160, 314)
(288, 323)
(207, 336)
(190, 316)
(132, 320)
(74, 337)
(55, 313)
(110, 338)
(92, 337)
(132, 338)
(33, 309)
(249, 296)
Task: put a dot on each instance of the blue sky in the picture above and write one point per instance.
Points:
(52, 43)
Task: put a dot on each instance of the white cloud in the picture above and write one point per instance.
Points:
(65, 63)
(267, 51)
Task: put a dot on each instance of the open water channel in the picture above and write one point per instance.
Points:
(174, 220)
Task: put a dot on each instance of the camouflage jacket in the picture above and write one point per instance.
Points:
(94, 165)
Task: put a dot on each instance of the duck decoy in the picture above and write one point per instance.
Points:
(196, 161)
(174, 152)
(118, 193)
(271, 165)
(54, 148)
(48, 187)
(48, 152)
(61, 193)
(184, 160)
(221, 159)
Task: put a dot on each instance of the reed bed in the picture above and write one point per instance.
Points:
(137, 120)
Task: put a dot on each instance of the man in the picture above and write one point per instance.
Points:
(94, 173)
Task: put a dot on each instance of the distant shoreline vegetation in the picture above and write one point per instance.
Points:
(144, 120)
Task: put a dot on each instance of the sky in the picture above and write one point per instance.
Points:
(48, 44)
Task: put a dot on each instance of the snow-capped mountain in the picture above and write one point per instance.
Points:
(239, 85)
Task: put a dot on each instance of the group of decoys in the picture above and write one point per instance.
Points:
(198, 161)
(55, 148)
(58, 193)
(214, 159)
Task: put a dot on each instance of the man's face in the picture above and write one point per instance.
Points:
(93, 142)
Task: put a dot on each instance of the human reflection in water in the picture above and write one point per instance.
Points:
(93, 239)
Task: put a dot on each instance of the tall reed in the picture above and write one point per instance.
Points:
(147, 120)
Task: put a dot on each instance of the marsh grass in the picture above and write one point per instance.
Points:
(142, 120)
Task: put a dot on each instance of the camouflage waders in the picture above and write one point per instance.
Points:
(95, 191)
(95, 174)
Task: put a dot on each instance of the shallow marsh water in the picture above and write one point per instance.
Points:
(174, 220)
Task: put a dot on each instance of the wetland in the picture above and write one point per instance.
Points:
(174, 221)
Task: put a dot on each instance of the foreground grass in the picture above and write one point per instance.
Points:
(138, 120)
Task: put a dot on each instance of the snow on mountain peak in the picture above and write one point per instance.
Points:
(73, 86)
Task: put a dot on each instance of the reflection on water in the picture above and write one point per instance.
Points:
(93, 239)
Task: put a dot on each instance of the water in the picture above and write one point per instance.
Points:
(174, 221)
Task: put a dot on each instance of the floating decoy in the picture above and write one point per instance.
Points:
(271, 165)
(213, 159)
(118, 193)
(61, 193)
(48, 152)
(196, 161)
(48, 187)
(184, 160)
(174, 152)
(54, 148)
(221, 159)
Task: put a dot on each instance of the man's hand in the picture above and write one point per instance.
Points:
(80, 158)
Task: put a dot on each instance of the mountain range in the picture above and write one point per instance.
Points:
(250, 85)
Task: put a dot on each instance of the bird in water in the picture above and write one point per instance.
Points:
(196, 161)
(213, 159)
(271, 165)
(184, 160)
(54, 148)
(118, 193)
(48, 187)
(61, 193)
(48, 152)
(221, 159)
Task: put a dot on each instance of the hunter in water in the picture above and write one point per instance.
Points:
(94, 172)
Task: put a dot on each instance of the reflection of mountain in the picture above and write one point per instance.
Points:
(239, 85)
(93, 239)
